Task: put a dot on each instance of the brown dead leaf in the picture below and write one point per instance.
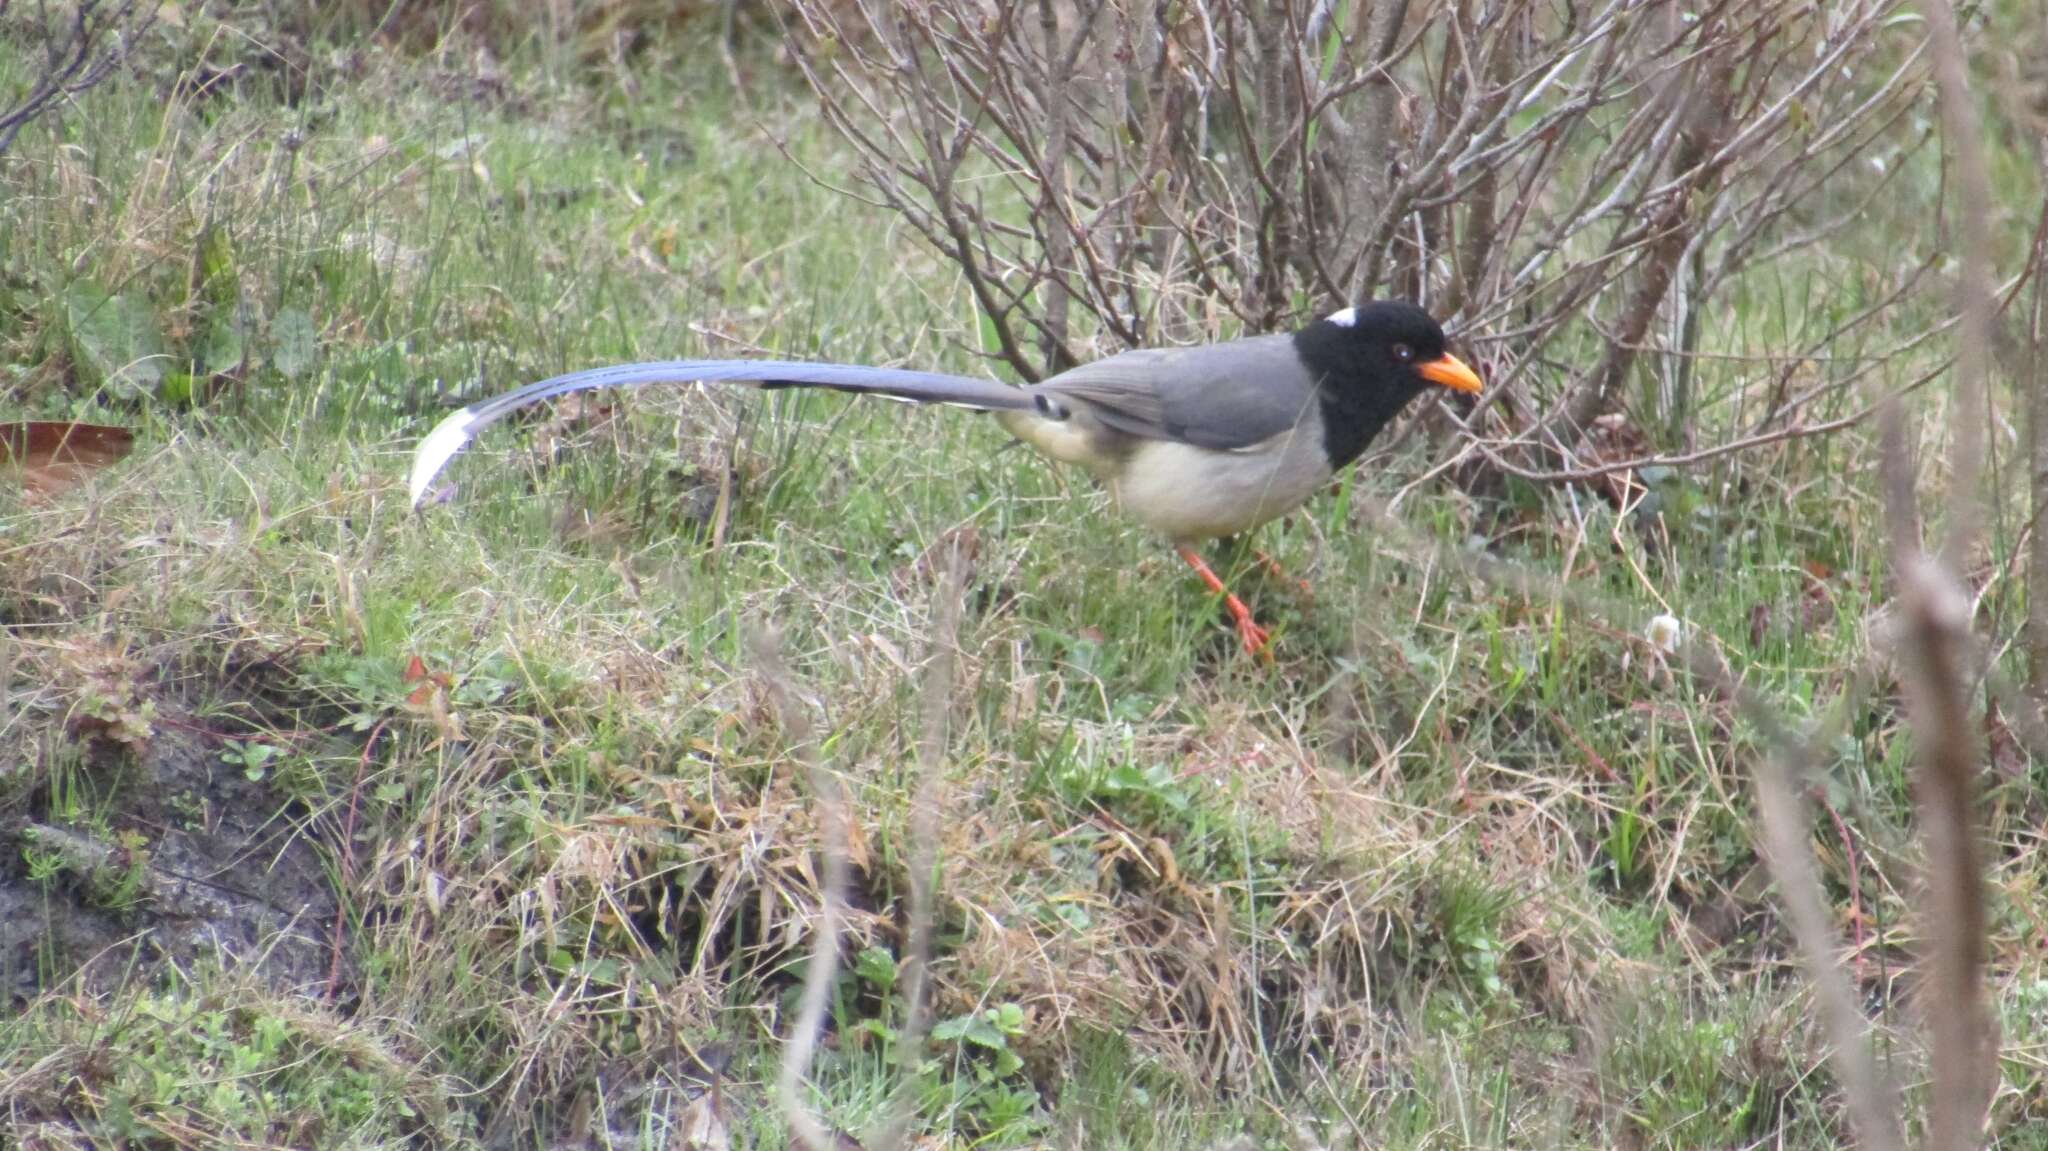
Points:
(429, 697)
(1759, 624)
(416, 673)
(50, 456)
(702, 1126)
(108, 690)
(424, 683)
(857, 846)
(2008, 758)
(1818, 605)
(600, 529)
(573, 416)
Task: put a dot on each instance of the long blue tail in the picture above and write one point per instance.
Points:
(451, 435)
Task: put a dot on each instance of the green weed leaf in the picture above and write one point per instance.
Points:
(293, 342)
(223, 350)
(876, 967)
(114, 339)
(983, 1032)
(216, 261)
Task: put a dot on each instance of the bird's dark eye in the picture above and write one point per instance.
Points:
(1403, 353)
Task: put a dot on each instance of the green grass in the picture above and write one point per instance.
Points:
(1466, 868)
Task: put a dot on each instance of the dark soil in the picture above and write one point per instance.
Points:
(183, 859)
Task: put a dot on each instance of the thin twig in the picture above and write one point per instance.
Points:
(926, 804)
(348, 863)
(76, 59)
(1962, 1036)
(802, 1043)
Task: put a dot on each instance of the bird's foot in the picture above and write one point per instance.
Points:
(1257, 640)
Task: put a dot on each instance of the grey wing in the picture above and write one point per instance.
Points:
(1221, 396)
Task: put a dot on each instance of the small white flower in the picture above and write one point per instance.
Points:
(1665, 633)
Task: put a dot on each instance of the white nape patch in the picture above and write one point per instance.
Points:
(448, 437)
(1343, 318)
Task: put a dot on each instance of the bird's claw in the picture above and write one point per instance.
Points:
(1257, 640)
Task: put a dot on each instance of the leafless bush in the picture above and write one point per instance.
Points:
(80, 45)
(1575, 184)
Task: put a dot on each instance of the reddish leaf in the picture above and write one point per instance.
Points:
(52, 455)
(416, 673)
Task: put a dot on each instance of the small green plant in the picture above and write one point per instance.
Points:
(1152, 795)
(991, 1030)
(1690, 1081)
(253, 758)
(122, 883)
(115, 877)
(1623, 845)
(973, 1075)
(67, 788)
(44, 865)
(1468, 931)
(245, 1073)
(992, 1097)
(191, 809)
(369, 688)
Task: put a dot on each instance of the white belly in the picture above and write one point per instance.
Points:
(1184, 492)
(1189, 493)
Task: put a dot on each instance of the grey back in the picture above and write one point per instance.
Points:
(1224, 397)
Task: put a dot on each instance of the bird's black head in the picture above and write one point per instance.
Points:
(1369, 361)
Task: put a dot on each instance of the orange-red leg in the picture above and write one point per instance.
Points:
(1255, 638)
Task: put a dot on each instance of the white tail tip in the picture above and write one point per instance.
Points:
(448, 437)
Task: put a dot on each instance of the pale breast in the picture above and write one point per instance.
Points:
(1189, 493)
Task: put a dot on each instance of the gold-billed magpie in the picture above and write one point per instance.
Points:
(1196, 443)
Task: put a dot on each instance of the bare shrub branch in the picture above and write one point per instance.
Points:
(77, 53)
(802, 1042)
(2036, 392)
(1962, 1040)
(1974, 306)
(1935, 630)
(1107, 173)
(937, 692)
